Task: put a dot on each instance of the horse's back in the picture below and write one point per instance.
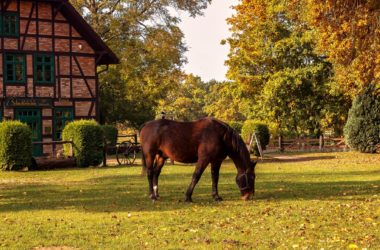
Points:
(179, 140)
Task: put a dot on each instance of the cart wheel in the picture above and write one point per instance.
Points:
(122, 152)
(132, 152)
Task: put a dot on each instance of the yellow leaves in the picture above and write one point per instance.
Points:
(353, 246)
(362, 22)
(346, 27)
(348, 32)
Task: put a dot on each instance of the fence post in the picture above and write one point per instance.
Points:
(135, 137)
(321, 142)
(104, 153)
(280, 143)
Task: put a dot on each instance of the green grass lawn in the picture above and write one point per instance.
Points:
(329, 200)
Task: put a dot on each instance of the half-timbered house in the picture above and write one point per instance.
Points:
(48, 73)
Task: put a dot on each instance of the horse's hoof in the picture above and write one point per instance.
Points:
(188, 200)
(218, 198)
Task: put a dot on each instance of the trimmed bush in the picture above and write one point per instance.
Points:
(362, 130)
(236, 126)
(15, 145)
(110, 134)
(251, 127)
(87, 136)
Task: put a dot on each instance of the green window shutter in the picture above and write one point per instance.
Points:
(10, 24)
(44, 68)
(14, 68)
(62, 116)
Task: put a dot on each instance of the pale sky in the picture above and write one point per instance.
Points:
(203, 34)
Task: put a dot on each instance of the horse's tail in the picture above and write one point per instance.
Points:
(143, 161)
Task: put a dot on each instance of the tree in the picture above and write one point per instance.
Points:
(144, 34)
(362, 130)
(186, 101)
(225, 101)
(349, 34)
(272, 59)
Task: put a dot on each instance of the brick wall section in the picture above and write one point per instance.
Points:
(46, 44)
(25, 9)
(81, 46)
(47, 149)
(44, 91)
(45, 28)
(64, 65)
(30, 87)
(15, 91)
(62, 29)
(47, 112)
(44, 11)
(65, 88)
(11, 43)
(30, 43)
(12, 6)
(87, 65)
(80, 88)
(63, 103)
(46, 124)
(62, 45)
(29, 63)
(8, 113)
(82, 108)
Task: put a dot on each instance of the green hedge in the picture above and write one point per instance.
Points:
(87, 136)
(262, 131)
(362, 130)
(110, 134)
(15, 145)
(236, 126)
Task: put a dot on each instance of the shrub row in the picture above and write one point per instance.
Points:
(15, 145)
(87, 136)
(261, 130)
(362, 130)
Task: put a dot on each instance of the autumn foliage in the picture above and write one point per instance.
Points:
(349, 34)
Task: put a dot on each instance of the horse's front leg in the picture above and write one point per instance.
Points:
(149, 165)
(199, 169)
(159, 163)
(215, 167)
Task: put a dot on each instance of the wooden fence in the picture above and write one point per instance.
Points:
(307, 144)
(54, 160)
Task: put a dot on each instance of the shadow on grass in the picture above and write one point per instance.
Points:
(129, 192)
(295, 158)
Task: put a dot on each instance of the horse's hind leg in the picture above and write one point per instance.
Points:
(199, 169)
(215, 167)
(149, 162)
(159, 163)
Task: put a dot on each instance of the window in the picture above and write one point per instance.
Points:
(44, 68)
(62, 116)
(14, 68)
(10, 24)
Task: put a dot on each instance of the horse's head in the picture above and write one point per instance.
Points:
(246, 182)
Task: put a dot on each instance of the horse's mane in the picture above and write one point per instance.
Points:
(237, 144)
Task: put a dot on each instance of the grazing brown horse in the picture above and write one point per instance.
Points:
(202, 142)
